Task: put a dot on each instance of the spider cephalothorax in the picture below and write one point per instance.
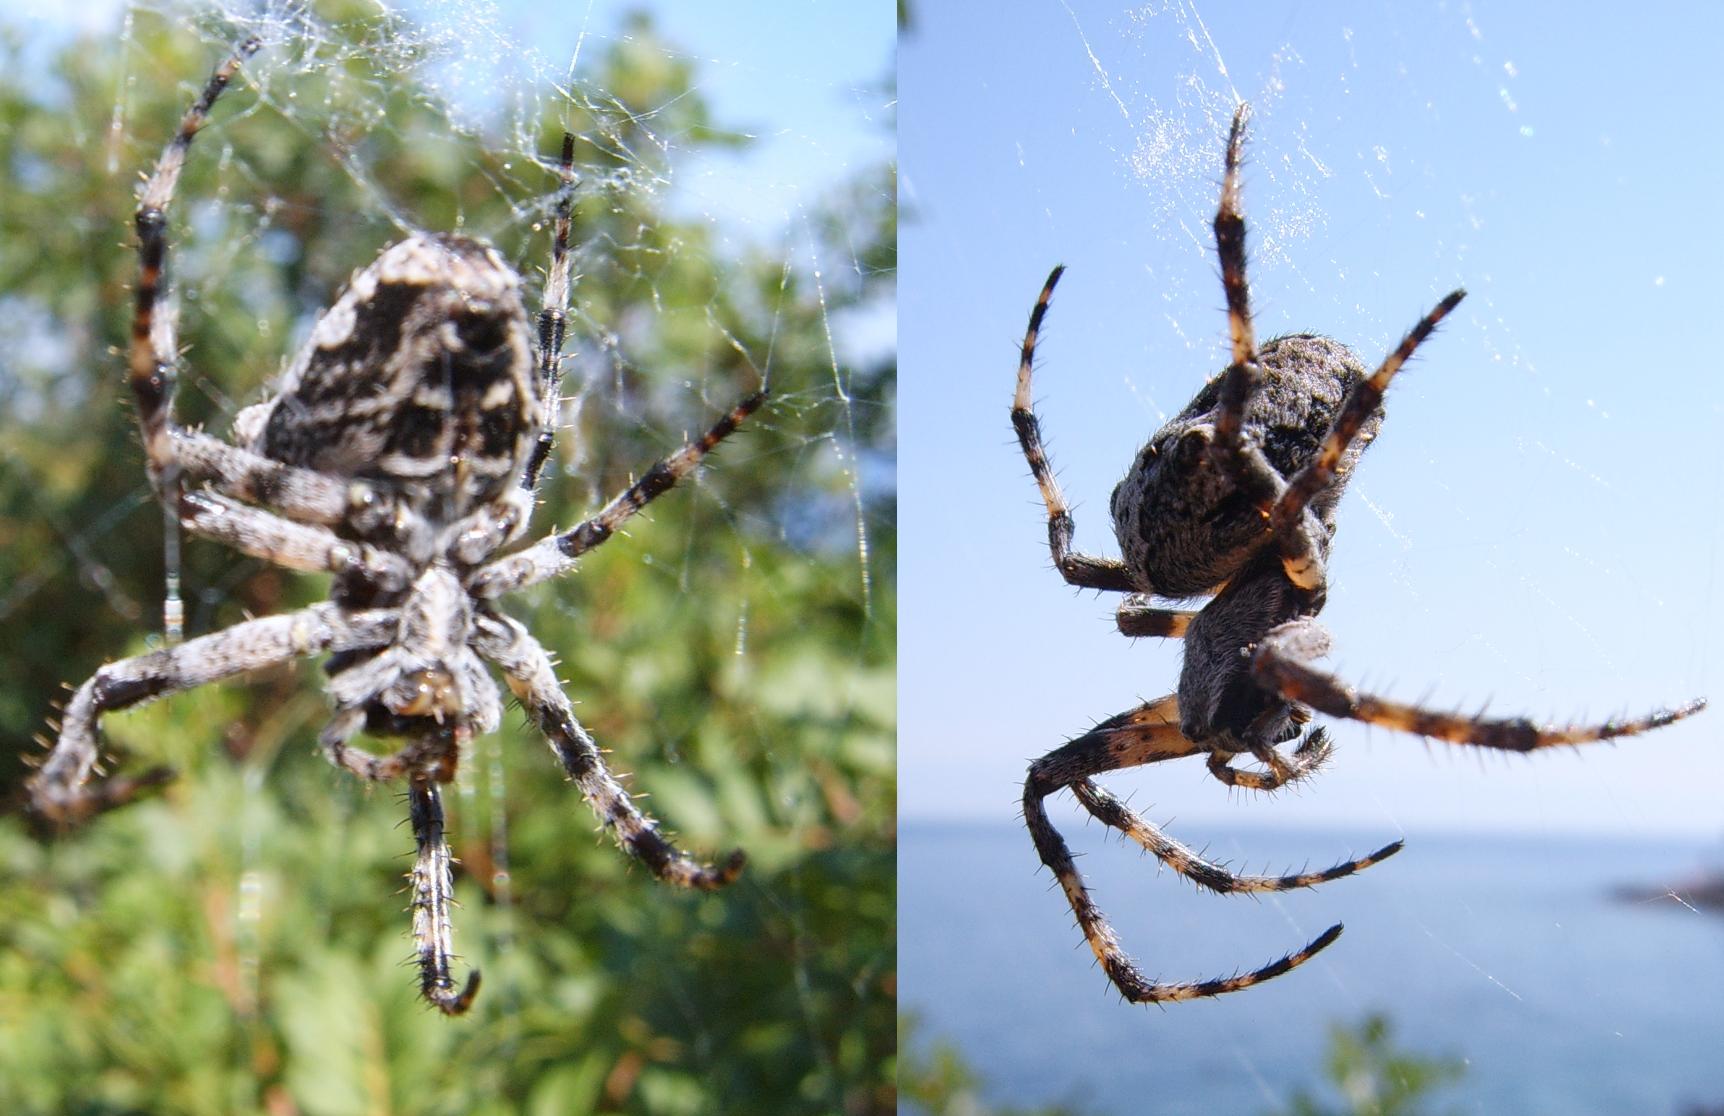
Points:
(400, 453)
(1236, 497)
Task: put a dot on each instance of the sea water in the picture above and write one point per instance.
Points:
(1541, 963)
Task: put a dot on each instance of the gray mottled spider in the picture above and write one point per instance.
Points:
(1236, 497)
(400, 453)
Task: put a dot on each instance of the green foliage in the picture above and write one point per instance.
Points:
(236, 944)
(1374, 1077)
(934, 1079)
(1371, 1074)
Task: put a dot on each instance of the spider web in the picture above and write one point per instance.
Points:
(1512, 538)
(733, 224)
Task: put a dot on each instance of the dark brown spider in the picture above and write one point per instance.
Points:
(1236, 497)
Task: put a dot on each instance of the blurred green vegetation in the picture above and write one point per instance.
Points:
(1374, 1077)
(1365, 1069)
(935, 1080)
(237, 944)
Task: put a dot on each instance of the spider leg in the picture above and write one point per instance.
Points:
(294, 546)
(153, 346)
(1282, 663)
(1111, 812)
(533, 679)
(153, 352)
(1081, 570)
(1302, 563)
(555, 554)
(552, 320)
(61, 789)
(433, 896)
(1147, 734)
(1241, 375)
(1245, 461)
(1137, 617)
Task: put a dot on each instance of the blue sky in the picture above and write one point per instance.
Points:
(1537, 527)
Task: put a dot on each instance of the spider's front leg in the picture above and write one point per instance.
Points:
(556, 554)
(61, 790)
(1082, 570)
(553, 312)
(1148, 734)
(1282, 664)
(1241, 458)
(533, 679)
(1242, 374)
(1289, 517)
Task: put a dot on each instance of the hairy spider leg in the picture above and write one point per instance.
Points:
(553, 318)
(1149, 734)
(175, 455)
(433, 897)
(153, 345)
(1208, 874)
(1304, 569)
(532, 678)
(1230, 248)
(1137, 617)
(1282, 663)
(60, 792)
(172, 452)
(555, 554)
(1081, 570)
(1245, 461)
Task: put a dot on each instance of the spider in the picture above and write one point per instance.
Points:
(400, 453)
(1235, 497)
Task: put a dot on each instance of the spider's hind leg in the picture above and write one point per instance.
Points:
(1208, 874)
(1147, 734)
(1282, 663)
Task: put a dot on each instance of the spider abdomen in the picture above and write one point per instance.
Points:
(421, 373)
(1184, 524)
(1220, 704)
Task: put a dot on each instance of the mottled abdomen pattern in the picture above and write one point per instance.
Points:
(421, 372)
(1184, 523)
